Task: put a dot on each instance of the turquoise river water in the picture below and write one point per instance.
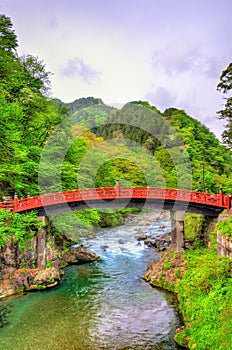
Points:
(100, 305)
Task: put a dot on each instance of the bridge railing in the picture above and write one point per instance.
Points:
(112, 193)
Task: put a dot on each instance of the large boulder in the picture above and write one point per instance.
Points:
(79, 254)
(49, 276)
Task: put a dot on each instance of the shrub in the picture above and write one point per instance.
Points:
(20, 227)
(225, 227)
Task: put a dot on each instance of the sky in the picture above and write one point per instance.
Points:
(168, 52)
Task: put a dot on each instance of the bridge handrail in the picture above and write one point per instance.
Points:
(111, 193)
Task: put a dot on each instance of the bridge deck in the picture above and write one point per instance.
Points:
(168, 196)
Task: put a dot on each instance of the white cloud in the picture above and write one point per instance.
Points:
(161, 98)
(78, 67)
(175, 58)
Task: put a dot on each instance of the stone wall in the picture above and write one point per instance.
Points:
(224, 246)
(38, 265)
(224, 243)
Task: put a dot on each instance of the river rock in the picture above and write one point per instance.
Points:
(143, 237)
(47, 276)
(144, 223)
(160, 242)
(163, 226)
(150, 242)
(79, 254)
(7, 290)
(137, 229)
(104, 247)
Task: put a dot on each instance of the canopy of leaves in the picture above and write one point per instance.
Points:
(8, 38)
(19, 227)
(137, 145)
(28, 117)
(225, 85)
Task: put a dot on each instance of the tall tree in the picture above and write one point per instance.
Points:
(8, 38)
(225, 85)
(27, 115)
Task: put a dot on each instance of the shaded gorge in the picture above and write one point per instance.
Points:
(100, 305)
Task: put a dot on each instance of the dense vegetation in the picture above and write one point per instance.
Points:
(205, 293)
(89, 112)
(48, 146)
(225, 86)
(137, 144)
(19, 227)
(202, 281)
(225, 227)
(27, 115)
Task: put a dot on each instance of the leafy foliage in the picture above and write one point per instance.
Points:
(19, 227)
(203, 285)
(8, 39)
(204, 294)
(69, 224)
(137, 145)
(225, 85)
(89, 112)
(27, 116)
(225, 227)
(203, 163)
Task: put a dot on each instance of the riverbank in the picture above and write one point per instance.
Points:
(202, 282)
(101, 305)
(35, 259)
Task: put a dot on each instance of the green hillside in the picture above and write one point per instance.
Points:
(139, 145)
(90, 112)
(182, 146)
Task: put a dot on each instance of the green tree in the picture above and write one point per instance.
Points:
(8, 38)
(225, 86)
(28, 116)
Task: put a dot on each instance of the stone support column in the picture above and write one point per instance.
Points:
(41, 242)
(177, 230)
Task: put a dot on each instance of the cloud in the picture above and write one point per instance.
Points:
(161, 98)
(77, 67)
(174, 59)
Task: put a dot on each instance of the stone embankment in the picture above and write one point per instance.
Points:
(39, 264)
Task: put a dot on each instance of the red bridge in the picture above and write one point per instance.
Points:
(120, 197)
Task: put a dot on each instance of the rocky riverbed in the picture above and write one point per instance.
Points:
(147, 230)
(39, 265)
(147, 217)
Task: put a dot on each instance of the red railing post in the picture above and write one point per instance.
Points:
(117, 188)
(229, 202)
(15, 203)
(221, 197)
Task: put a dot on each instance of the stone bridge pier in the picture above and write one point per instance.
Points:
(177, 230)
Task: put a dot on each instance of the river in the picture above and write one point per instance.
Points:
(100, 305)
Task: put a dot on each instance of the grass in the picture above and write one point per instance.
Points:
(205, 301)
(203, 284)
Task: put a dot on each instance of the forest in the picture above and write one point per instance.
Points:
(131, 144)
(47, 145)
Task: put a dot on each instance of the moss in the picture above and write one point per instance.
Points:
(167, 265)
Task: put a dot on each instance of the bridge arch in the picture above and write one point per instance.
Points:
(176, 201)
(113, 197)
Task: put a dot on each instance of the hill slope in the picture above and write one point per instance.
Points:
(187, 152)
